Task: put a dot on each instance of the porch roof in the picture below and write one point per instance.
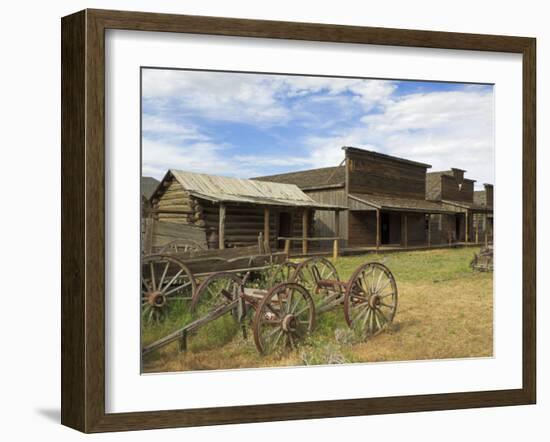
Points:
(363, 201)
(471, 206)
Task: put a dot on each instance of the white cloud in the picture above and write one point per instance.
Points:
(227, 97)
(444, 129)
(166, 128)
(253, 98)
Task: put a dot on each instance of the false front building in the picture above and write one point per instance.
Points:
(385, 197)
(472, 211)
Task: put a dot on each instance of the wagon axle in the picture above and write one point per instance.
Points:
(156, 299)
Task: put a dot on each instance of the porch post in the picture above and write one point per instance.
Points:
(266, 229)
(429, 229)
(336, 245)
(405, 231)
(477, 228)
(467, 227)
(377, 229)
(486, 230)
(221, 228)
(304, 231)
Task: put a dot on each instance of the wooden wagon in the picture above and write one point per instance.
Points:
(171, 275)
(286, 312)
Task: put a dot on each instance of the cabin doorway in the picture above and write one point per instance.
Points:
(285, 228)
(458, 226)
(384, 228)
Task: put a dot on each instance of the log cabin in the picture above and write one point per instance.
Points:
(232, 212)
(385, 196)
(469, 218)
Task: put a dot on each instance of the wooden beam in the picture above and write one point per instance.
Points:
(467, 230)
(486, 231)
(336, 245)
(266, 229)
(477, 229)
(405, 232)
(304, 231)
(377, 229)
(221, 229)
(287, 246)
(429, 229)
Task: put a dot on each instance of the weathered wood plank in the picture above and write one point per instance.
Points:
(305, 230)
(221, 229)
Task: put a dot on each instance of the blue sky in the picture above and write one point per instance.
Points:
(246, 125)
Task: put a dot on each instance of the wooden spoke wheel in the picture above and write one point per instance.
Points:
(370, 300)
(281, 273)
(316, 275)
(217, 291)
(181, 246)
(165, 283)
(284, 317)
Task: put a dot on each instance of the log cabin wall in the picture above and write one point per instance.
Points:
(185, 209)
(243, 224)
(375, 174)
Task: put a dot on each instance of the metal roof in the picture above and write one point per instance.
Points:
(368, 201)
(235, 190)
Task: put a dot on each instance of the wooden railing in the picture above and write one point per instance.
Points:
(305, 240)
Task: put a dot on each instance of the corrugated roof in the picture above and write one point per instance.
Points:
(310, 179)
(399, 204)
(224, 189)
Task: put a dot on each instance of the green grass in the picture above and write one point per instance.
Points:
(445, 311)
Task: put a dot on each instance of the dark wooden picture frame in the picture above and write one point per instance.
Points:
(83, 219)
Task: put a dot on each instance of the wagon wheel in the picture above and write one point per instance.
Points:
(165, 283)
(281, 273)
(311, 273)
(283, 318)
(370, 301)
(181, 245)
(217, 291)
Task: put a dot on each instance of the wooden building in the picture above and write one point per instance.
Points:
(232, 212)
(484, 224)
(468, 220)
(385, 197)
(148, 187)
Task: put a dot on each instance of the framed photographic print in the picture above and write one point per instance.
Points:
(268, 220)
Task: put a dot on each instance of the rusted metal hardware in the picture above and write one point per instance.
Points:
(286, 313)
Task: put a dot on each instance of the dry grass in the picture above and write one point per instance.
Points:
(445, 311)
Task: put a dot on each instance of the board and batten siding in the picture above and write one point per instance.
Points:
(384, 176)
(324, 222)
(453, 190)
